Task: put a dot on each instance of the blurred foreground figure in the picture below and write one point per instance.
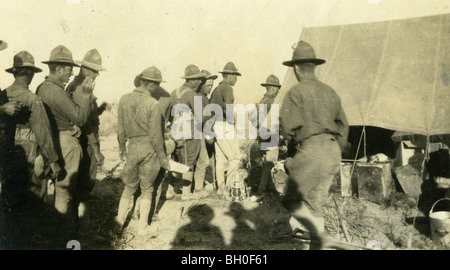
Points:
(33, 136)
(8, 109)
(313, 121)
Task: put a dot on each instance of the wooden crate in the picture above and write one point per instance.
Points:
(375, 181)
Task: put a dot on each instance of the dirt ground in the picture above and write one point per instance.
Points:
(211, 222)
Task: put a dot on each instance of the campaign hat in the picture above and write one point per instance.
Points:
(61, 55)
(23, 59)
(303, 53)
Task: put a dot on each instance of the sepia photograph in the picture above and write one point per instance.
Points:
(239, 125)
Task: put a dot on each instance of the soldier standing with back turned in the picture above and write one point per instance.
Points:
(139, 124)
(313, 121)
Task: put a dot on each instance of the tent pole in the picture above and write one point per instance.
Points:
(365, 148)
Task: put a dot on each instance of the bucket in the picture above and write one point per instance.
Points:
(440, 225)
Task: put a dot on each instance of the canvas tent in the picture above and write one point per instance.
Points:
(389, 74)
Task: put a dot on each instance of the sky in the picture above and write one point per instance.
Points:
(256, 35)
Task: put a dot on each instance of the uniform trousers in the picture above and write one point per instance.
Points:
(270, 159)
(201, 165)
(141, 168)
(188, 152)
(311, 171)
(227, 151)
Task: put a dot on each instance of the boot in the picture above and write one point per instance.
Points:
(188, 195)
(315, 224)
(170, 193)
(83, 216)
(143, 227)
(136, 211)
(122, 214)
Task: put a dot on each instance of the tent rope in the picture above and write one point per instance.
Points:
(357, 150)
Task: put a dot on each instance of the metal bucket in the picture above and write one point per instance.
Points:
(440, 226)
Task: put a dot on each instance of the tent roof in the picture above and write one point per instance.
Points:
(390, 74)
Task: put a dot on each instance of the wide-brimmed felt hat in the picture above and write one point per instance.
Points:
(193, 72)
(92, 60)
(230, 68)
(208, 75)
(150, 74)
(23, 59)
(61, 55)
(272, 80)
(303, 53)
(3, 45)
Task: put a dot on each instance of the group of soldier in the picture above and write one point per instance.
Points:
(54, 134)
(148, 140)
(51, 135)
(312, 123)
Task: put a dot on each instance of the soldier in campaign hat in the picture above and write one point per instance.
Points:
(164, 178)
(90, 67)
(188, 147)
(313, 121)
(141, 146)
(207, 143)
(7, 108)
(270, 156)
(227, 150)
(66, 114)
(7, 131)
(33, 135)
(272, 86)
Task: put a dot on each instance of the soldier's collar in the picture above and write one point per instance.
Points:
(186, 85)
(54, 80)
(308, 76)
(225, 82)
(20, 83)
(269, 95)
(142, 91)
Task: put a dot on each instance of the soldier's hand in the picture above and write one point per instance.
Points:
(123, 155)
(56, 170)
(165, 164)
(100, 158)
(76, 131)
(11, 108)
(88, 85)
(102, 108)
